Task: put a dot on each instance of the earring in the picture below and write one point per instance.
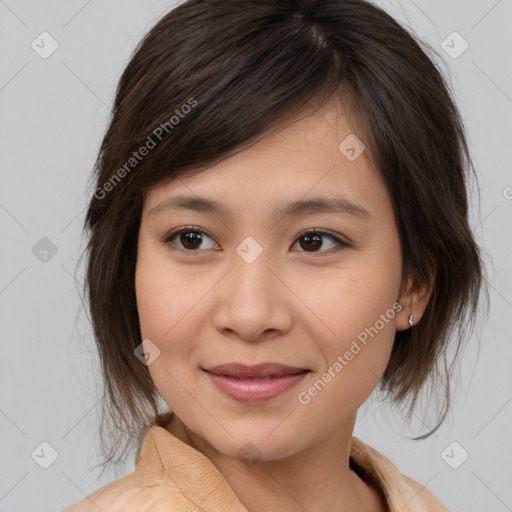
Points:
(411, 317)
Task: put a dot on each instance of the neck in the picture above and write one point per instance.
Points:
(316, 479)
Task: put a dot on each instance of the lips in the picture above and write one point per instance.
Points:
(254, 384)
(260, 371)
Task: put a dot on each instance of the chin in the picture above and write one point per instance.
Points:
(252, 439)
(250, 451)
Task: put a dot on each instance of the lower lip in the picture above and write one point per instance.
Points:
(254, 391)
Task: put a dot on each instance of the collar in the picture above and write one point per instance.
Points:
(203, 484)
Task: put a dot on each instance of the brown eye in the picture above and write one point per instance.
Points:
(188, 239)
(191, 239)
(313, 240)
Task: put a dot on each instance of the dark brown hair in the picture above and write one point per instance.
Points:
(214, 76)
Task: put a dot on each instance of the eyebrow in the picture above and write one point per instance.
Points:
(339, 205)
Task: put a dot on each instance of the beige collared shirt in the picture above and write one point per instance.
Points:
(171, 476)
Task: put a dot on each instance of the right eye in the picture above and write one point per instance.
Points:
(189, 237)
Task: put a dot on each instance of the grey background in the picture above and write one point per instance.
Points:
(53, 115)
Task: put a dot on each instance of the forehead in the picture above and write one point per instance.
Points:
(302, 158)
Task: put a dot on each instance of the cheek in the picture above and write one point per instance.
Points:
(159, 314)
(152, 300)
(357, 307)
(170, 315)
(163, 315)
(166, 298)
(345, 301)
(353, 361)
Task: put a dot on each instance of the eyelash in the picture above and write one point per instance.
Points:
(169, 240)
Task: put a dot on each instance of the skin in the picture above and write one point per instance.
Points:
(291, 305)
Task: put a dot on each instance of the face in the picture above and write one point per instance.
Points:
(267, 332)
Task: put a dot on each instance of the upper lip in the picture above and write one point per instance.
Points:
(260, 370)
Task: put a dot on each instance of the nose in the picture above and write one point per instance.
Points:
(253, 301)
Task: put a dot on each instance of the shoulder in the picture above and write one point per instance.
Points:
(421, 494)
(131, 494)
(402, 492)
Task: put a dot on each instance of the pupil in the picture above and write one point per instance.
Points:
(312, 238)
(191, 237)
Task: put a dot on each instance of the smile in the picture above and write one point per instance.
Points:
(254, 384)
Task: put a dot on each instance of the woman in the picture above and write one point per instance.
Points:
(279, 226)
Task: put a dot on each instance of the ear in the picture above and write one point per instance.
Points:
(414, 301)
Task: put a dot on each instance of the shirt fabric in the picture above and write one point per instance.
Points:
(171, 476)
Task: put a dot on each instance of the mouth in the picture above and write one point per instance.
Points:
(254, 384)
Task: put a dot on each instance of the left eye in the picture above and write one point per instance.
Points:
(192, 238)
(313, 240)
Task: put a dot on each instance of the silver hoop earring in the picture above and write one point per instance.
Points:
(411, 317)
